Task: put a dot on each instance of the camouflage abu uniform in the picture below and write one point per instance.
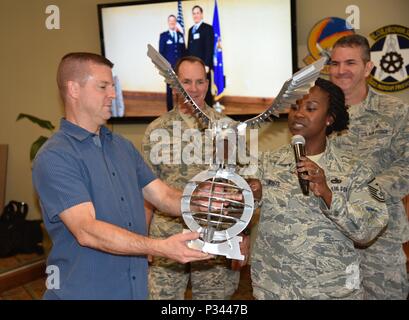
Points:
(210, 279)
(303, 250)
(379, 132)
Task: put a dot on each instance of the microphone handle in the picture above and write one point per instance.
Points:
(304, 184)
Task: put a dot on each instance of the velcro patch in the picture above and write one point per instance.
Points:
(376, 191)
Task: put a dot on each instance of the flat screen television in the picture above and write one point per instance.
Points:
(258, 44)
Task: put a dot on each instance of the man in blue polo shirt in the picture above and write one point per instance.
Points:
(91, 185)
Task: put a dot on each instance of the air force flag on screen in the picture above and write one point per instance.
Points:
(219, 79)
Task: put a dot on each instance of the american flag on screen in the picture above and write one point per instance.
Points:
(180, 22)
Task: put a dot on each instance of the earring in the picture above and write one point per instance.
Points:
(328, 123)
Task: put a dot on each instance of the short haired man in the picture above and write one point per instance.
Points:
(172, 47)
(213, 279)
(91, 183)
(378, 132)
(201, 44)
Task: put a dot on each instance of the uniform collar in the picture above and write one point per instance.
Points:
(191, 119)
(81, 134)
(287, 157)
(367, 104)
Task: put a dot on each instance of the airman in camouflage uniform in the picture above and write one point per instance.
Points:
(305, 244)
(211, 279)
(303, 250)
(379, 133)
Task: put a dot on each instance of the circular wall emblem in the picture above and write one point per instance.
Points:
(323, 36)
(390, 55)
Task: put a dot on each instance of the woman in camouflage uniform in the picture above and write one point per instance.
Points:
(305, 244)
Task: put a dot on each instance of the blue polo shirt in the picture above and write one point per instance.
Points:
(76, 166)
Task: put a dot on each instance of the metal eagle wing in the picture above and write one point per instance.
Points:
(292, 90)
(166, 71)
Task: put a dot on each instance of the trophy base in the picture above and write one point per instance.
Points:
(229, 248)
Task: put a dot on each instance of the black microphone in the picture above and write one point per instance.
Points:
(298, 143)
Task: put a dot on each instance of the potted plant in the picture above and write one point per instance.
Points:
(40, 141)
